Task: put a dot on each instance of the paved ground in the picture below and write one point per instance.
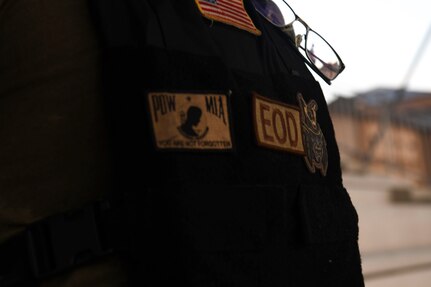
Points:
(395, 238)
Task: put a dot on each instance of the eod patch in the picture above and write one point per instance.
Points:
(190, 121)
(277, 125)
(291, 129)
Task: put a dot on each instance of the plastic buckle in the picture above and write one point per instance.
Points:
(67, 240)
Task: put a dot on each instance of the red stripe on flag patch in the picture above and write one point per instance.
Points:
(231, 12)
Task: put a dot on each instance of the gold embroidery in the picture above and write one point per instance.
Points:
(315, 144)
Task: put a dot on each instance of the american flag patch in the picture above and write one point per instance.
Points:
(231, 12)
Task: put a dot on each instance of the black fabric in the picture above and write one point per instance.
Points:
(45, 248)
(327, 215)
(243, 236)
(252, 216)
(15, 264)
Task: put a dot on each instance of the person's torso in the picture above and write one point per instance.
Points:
(226, 151)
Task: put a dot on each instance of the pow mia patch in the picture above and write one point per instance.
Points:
(314, 141)
(277, 125)
(188, 121)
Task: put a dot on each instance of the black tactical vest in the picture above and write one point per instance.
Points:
(226, 157)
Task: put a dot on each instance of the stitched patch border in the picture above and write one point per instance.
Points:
(277, 125)
(190, 121)
(230, 12)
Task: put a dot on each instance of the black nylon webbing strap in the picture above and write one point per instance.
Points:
(56, 244)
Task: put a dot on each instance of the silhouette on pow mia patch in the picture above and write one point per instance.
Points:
(314, 141)
(189, 122)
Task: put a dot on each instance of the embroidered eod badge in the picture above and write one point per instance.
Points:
(189, 121)
(316, 154)
(277, 125)
(292, 129)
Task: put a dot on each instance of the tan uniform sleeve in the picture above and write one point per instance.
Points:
(54, 152)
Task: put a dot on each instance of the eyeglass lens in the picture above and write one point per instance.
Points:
(310, 44)
(275, 11)
(322, 55)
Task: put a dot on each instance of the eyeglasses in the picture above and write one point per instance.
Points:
(316, 51)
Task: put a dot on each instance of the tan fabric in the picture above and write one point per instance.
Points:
(53, 139)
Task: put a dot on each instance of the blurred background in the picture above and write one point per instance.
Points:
(381, 109)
